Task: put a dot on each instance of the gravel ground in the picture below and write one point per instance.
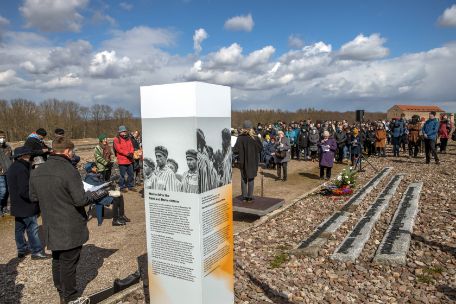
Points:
(428, 277)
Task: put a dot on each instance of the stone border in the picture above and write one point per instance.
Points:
(396, 242)
(120, 296)
(353, 244)
(320, 235)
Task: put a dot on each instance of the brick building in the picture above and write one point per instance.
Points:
(410, 110)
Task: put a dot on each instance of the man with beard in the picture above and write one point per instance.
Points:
(190, 177)
(206, 171)
(165, 177)
(225, 178)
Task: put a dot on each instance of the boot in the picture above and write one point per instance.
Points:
(116, 219)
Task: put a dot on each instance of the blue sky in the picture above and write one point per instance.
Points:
(274, 54)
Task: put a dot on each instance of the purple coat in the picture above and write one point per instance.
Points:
(327, 157)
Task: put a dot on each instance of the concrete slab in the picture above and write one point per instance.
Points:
(331, 224)
(353, 244)
(396, 242)
(260, 206)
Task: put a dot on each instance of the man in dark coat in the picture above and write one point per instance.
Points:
(5, 163)
(25, 211)
(58, 187)
(341, 140)
(248, 148)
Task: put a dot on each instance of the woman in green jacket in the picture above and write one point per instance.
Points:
(103, 157)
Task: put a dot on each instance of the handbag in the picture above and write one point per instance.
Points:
(281, 154)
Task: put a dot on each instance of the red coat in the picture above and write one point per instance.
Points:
(122, 148)
(443, 129)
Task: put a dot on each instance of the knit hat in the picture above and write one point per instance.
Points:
(162, 150)
(88, 167)
(247, 124)
(191, 154)
(41, 132)
(101, 137)
(21, 151)
(122, 129)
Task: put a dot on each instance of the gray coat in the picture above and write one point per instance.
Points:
(286, 147)
(58, 187)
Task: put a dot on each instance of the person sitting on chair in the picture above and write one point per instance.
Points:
(95, 179)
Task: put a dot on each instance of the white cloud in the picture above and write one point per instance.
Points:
(69, 80)
(198, 37)
(53, 15)
(126, 6)
(240, 23)
(74, 54)
(295, 42)
(107, 65)
(231, 55)
(8, 78)
(449, 17)
(364, 48)
(258, 57)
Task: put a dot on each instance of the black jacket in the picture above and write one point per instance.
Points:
(58, 187)
(304, 139)
(341, 138)
(17, 178)
(248, 150)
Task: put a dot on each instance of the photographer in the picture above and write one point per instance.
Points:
(124, 151)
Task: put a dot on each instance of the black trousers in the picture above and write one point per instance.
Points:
(64, 264)
(443, 144)
(429, 148)
(328, 172)
(340, 153)
(118, 208)
(414, 148)
(282, 167)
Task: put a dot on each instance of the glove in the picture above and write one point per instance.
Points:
(97, 195)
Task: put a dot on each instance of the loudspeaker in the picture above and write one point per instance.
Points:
(360, 115)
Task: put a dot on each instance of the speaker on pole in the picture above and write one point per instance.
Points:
(360, 115)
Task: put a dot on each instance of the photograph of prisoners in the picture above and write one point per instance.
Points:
(191, 155)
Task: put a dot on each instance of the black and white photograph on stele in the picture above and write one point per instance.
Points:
(206, 168)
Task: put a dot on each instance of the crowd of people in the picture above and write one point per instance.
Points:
(327, 142)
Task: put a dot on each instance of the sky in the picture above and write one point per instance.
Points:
(333, 55)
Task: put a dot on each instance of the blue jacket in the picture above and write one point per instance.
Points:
(398, 128)
(431, 128)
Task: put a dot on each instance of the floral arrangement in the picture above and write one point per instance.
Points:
(347, 178)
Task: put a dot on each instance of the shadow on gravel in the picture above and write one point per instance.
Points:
(142, 265)
(448, 291)
(309, 175)
(244, 217)
(10, 292)
(269, 175)
(442, 247)
(92, 258)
